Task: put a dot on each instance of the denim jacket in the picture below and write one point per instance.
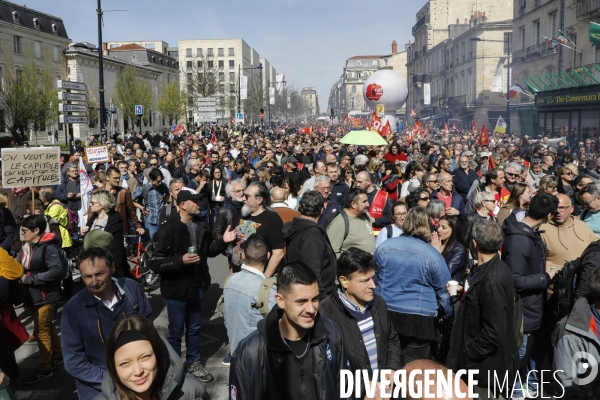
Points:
(240, 294)
(412, 277)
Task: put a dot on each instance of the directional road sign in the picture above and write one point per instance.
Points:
(70, 119)
(139, 110)
(71, 96)
(239, 117)
(70, 85)
(62, 107)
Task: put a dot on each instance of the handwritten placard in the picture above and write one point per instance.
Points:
(95, 154)
(34, 166)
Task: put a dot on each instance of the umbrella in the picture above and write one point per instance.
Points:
(367, 138)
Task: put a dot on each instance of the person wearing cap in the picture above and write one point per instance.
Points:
(293, 172)
(90, 315)
(181, 250)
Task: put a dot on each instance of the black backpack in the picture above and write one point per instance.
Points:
(567, 280)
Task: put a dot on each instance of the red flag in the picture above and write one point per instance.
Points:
(446, 128)
(454, 125)
(484, 138)
(179, 129)
(378, 126)
(474, 127)
(387, 130)
(426, 130)
(415, 132)
(491, 164)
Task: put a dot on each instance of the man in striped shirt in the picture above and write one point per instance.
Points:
(359, 312)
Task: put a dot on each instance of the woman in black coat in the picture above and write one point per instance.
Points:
(216, 192)
(104, 217)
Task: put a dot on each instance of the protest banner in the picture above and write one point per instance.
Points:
(96, 154)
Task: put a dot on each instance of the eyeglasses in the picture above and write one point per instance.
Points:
(424, 198)
(513, 175)
(489, 201)
(154, 165)
(401, 214)
(247, 196)
(562, 208)
(434, 181)
(568, 173)
(587, 203)
(94, 202)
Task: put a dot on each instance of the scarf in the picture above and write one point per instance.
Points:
(536, 178)
(236, 210)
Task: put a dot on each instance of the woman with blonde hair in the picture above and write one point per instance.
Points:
(548, 184)
(104, 217)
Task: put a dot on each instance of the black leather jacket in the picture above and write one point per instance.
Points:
(388, 344)
(171, 242)
(259, 359)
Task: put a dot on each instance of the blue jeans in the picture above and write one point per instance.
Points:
(150, 231)
(522, 351)
(185, 316)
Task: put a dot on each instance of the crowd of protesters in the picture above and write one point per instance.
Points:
(447, 251)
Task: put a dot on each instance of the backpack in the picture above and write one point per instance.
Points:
(262, 304)
(390, 231)
(63, 258)
(567, 280)
(330, 219)
(72, 218)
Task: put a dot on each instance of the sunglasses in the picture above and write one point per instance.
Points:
(513, 175)
(424, 198)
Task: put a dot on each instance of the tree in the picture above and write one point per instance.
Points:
(26, 99)
(256, 94)
(201, 80)
(132, 90)
(92, 107)
(171, 102)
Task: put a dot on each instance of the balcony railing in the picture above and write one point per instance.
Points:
(587, 8)
(518, 56)
(424, 20)
(532, 51)
(458, 101)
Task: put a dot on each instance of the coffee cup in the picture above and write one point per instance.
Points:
(453, 288)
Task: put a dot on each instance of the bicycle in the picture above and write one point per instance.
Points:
(141, 273)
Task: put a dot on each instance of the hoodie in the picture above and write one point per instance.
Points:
(524, 252)
(306, 241)
(178, 385)
(44, 272)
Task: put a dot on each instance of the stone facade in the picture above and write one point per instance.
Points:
(309, 94)
(28, 35)
(437, 21)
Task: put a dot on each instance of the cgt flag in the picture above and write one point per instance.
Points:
(484, 138)
(414, 133)
(474, 130)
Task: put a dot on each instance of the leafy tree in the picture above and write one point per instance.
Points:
(132, 90)
(92, 107)
(171, 102)
(26, 99)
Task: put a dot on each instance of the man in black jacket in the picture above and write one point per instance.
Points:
(360, 313)
(464, 176)
(295, 353)
(484, 333)
(524, 251)
(306, 241)
(185, 276)
(230, 213)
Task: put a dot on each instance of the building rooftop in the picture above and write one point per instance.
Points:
(32, 19)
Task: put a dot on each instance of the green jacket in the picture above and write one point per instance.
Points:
(58, 212)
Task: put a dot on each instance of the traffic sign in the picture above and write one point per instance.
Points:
(70, 119)
(62, 107)
(71, 96)
(70, 85)
(239, 117)
(262, 115)
(139, 110)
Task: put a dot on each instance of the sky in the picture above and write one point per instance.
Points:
(308, 40)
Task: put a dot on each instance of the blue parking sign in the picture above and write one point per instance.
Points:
(139, 110)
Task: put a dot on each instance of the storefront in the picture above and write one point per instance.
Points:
(573, 112)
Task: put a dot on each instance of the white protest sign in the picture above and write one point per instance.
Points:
(97, 154)
(34, 166)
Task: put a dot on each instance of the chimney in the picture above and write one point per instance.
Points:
(394, 47)
(104, 48)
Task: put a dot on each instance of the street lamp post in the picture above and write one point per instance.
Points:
(101, 76)
(507, 44)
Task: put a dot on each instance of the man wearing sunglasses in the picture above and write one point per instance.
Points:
(511, 174)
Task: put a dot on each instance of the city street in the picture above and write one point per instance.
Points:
(214, 345)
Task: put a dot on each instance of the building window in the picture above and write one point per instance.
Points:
(232, 76)
(188, 64)
(221, 64)
(221, 88)
(16, 17)
(357, 63)
(554, 24)
(55, 29)
(199, 52)
(17, 44)
(231, 63)
(37, 47)
(536, 29)
(36, 23)
(231, 51)
(507, 43)
(211, 64)
(522, 30)
(221, 76)
(56, 51)
(209, 51)
(200, 76)
(221, 52)
(199, 63)
(188, 52)
(353, 89)
(232, 87)
(221, 101)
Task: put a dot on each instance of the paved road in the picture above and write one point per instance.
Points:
(214, 345)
